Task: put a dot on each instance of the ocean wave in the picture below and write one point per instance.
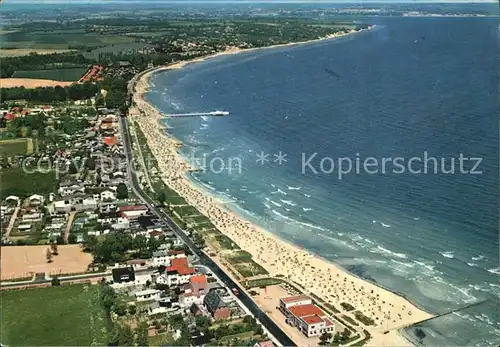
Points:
(385, 225)
(447, 254)
(338, 241)
(402, 263)
(293, 188)
(282, 215)
(374, 221)
(479, 257)
(288, 202)
(307, 195)
(267, 205)
(175, 105)
(275, 203)
(472, 264)
(203, 126)
(398, 255)
(416, 218)
(427, 266)
(205, 118)
(305, 209)
(495, 271)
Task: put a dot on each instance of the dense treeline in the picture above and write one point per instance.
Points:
(50, 94)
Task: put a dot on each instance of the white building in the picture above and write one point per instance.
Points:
(148, 294)
(108, 195)
(165, 257)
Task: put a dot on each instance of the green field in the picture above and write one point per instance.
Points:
(10, 148)
(69, 315)
(33, 182)
(59, 39)
(69, 75)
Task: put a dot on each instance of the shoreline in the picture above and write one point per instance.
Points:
(389, 309)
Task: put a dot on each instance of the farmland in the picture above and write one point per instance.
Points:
(36, 182)
(21, 261)
(59, 40)
(69, 315)
(69, 75)
(9, 148)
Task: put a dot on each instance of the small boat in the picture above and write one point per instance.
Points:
(236, 291)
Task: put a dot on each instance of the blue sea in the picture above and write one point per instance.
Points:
(421, 89)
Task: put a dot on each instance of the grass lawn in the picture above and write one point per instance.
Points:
(225, 242)
(69, 315)
(33, 183)
(13, 147)
(263, 282)
(66, 75)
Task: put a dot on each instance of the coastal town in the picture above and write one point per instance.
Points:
(105, 239)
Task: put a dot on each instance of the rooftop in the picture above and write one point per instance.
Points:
(181, 266)
(296, 298)
(199, 279)
(132, 208)
(314, 319)
(306, 310)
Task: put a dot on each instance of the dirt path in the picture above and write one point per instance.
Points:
(68, 226)
(11, 222)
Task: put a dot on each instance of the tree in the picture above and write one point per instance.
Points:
(122, 336)
(55, 282)
(120, 309)
(132, 309)
(60, 240)
(53, 247)
(72, 238)
(142, 335)
(324, 338)
(161, 197)
(48, 255)
(122, 191)
(90, 163)
(203, 322)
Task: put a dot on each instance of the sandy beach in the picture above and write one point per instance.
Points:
(313, 273)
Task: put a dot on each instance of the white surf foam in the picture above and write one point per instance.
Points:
(385, 225)
(307, 195)
(447, 254)
(479, 257)
(495, 270)
(275, 203)
(397, 255)
(288, 202)
(293, 188)
(427, 266)
(305, 209)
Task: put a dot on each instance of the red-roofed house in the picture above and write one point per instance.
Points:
(195, 290)
(307, 317)
(9, 116)
(179, 272)
(135, 211)
(110, 141)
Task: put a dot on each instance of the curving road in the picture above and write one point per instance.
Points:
(203, 258)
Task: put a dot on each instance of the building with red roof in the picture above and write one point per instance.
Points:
(110, 141)
(195, 290)
(132, 212)
(301, 312)
(179, 272)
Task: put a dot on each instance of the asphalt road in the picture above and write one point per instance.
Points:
(203, 258)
